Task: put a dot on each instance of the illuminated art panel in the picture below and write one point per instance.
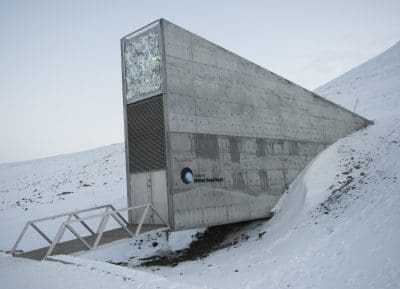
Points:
(142, 61)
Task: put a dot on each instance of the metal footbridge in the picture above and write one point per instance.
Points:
(95, 238)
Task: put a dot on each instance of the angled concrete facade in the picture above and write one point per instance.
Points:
(243, 131)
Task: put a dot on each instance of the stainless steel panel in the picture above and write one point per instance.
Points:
(159, 194)
(149, 187)
(146, 135)
(140, 193)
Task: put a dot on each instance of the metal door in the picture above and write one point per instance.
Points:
(149, 187)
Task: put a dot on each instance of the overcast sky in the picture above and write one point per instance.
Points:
(60, 89)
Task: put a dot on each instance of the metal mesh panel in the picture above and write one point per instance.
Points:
(146, 135)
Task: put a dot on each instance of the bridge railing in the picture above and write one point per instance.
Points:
(73, 218)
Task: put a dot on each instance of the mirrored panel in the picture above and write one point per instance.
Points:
(142, 60)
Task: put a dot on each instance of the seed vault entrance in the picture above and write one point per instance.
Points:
(147, 161)
(212, 138)
(150, 187)
(144, 122)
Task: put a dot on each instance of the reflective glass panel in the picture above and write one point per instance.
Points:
(142, 63)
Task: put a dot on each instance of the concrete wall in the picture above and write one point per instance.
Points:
(229, 118)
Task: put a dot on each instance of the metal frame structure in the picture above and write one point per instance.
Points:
(73, 217)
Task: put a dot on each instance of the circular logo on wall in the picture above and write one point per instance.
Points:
(187, 175)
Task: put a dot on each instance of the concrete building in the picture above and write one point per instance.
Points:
(212, 138)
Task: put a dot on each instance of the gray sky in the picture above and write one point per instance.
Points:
(60, 88)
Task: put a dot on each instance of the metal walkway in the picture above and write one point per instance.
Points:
(96, 238)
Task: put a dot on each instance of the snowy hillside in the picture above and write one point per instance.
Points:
(372, 88)
(44, 187)
(337, 227)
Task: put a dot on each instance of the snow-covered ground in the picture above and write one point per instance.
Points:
(76, 273)
(45, 187)
(338, 226)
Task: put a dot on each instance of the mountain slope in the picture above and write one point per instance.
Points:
(372, 87)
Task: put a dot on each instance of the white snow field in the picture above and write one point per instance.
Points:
(338, 226)
(80, 273)
(45, 187)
